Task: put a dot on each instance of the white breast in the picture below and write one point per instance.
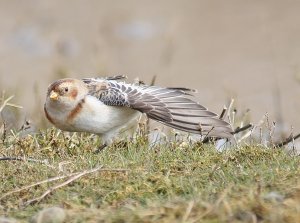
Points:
(96, 117)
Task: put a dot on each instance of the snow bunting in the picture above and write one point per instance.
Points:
(104, 106)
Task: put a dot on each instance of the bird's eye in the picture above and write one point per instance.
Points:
(66, 89)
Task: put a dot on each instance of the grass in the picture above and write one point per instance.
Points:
(166, 183)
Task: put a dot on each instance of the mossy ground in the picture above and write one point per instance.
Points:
(166, 183)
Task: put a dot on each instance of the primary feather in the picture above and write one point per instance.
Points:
(170, 106)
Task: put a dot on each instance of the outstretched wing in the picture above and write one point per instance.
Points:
(171, 106)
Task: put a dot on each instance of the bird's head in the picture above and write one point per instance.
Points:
(66, 92)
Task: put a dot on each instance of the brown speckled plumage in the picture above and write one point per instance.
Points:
(104, 105)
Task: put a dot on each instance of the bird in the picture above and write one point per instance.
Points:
(104, 106)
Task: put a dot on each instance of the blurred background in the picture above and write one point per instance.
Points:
(246, 50)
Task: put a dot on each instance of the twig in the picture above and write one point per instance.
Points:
(36, 184)
(226, 110)
(54, 179)
(224, 113)
(270, 128)
(240, 129)
(153, 80)
(4, 131)
(222, 116)
(23, 159)
(51, 189)
(208, 138)
(9, 158)
(229, 109)
(243, 137)
(73, 178)
(20, 159)
(246, 135)
(287, 141)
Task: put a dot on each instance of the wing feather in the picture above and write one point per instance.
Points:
(171, 106)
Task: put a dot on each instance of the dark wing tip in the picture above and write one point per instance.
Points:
(186, 91)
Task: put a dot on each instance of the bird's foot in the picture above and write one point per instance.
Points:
(100, 148)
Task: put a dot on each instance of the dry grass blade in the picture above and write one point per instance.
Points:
(73, 178)
(188, 211)
(36, 184)
(6, 103)
(153, 80)
(228, 111)
(287, 141)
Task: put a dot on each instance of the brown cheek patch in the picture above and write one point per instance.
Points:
(55, 86)
(48, 116)
(74, 94)
(75, 111)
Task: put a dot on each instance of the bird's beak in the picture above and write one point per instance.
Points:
(53, 95)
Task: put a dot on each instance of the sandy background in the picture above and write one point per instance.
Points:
(249, 50)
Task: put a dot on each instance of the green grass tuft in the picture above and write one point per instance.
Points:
(165, 183)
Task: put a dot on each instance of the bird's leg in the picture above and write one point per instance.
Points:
(105, 142)
(100, 148)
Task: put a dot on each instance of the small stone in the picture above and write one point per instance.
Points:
(49, 215)
(274, 196)
(245, 216)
